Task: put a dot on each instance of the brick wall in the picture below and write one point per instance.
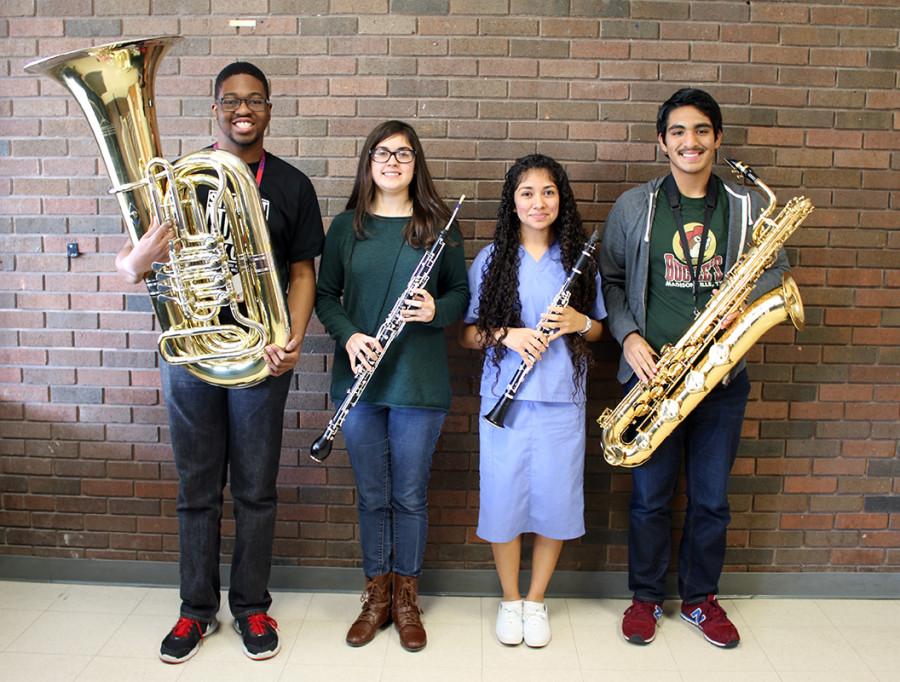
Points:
(810, 98)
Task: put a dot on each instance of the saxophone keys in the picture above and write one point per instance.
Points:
(695, 381)
(669, 410)
(719, 354)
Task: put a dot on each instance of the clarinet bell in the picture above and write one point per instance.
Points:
(496, 416)
(320, 449)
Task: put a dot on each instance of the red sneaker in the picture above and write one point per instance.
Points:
(712, 621)
(639, 623)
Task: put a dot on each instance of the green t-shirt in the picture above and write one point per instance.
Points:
(359, 282)
(670, 291)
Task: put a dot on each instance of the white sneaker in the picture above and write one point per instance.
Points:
(536, 624)
(509, 622)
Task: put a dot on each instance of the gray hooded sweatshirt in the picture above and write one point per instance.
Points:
(625, 257)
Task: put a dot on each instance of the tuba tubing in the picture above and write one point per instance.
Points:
(114, 86)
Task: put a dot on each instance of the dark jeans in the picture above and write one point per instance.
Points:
(708, 439)
(390, 450)
(221, 434)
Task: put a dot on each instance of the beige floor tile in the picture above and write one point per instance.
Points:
(604, 648)
(820, 649)
(860, 612)
(450, 645)
(99, 599)
(432, 674)
(102, 669)
(734, 676)
(633, 676)
(334, 606)
(138, 637)
(14, 623)
(597, 612)
(290, 605)
(878, 646)
(526, 675)
(33, 596)
(296, 671)
(160, 601)
(322, 643)
(888, 676)
(41, 668)
(819, 676)
(779, 612)
(214, 669)
(457, 610)
(54, 632)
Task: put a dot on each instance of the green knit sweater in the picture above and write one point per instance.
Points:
(359, 282)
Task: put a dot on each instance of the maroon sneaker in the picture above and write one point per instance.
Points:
(639, 623)
(712, 621)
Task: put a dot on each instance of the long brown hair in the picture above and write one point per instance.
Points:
(430, 214)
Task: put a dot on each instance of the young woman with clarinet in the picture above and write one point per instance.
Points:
(393, 216)
(532, 469)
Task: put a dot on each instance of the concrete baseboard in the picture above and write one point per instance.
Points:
(474, 582)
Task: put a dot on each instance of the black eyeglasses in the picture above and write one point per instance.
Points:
(383, 155)
(254, 103)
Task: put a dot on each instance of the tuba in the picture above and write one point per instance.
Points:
(700, 359)
(114, 85)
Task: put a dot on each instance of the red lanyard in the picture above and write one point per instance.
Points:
(259, 169)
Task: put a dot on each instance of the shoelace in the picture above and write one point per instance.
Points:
(510, 614)
(183, 627)
(643, 608)
(258, 623)
(712, 611)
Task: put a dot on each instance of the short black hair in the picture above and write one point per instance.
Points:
(692, 97)
(234, 69)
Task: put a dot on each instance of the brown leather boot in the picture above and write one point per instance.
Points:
(376, 610)
(407, 614)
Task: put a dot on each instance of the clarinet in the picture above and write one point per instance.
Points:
(498, 413)
(388, 331)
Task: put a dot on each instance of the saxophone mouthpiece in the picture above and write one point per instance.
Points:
(741, 169)
(320, 449)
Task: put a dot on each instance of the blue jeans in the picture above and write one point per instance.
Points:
(708, 438)
(221, 434)
(390, 450)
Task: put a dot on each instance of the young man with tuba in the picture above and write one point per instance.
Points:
(667, 246)
(219, 433)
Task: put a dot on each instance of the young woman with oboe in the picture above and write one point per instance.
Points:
(532, 469)
(393, 216)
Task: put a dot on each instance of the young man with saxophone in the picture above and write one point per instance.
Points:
(667, 246)
(220, 433)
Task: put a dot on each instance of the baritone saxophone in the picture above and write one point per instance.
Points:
(690, 368)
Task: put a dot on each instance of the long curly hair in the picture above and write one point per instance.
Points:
(429, 211)
(499, 306)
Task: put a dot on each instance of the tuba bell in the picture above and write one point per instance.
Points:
(114, 86)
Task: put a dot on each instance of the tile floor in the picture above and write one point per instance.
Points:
(97, 633)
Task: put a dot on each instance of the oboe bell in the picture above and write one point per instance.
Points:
(321, 448)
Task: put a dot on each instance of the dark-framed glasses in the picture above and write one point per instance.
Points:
(383, 155)
(233, 103)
